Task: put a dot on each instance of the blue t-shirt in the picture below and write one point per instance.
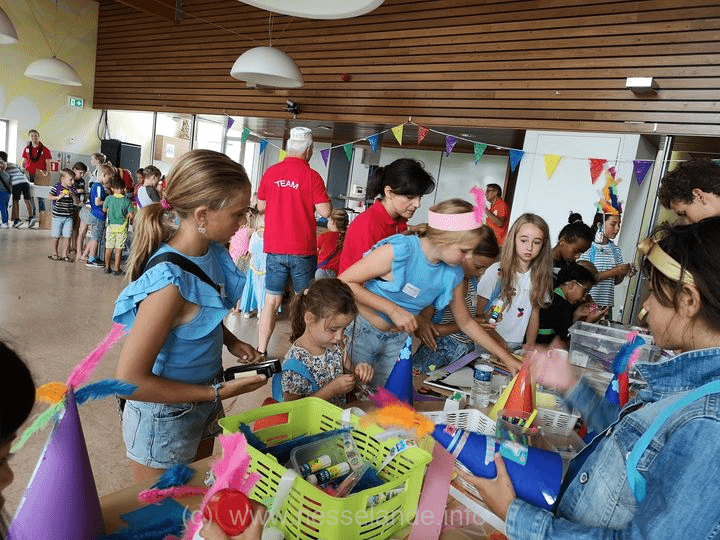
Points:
(96, 191)
(192, 352)
(416, 282)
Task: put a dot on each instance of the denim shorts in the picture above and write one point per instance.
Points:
(97, 229)
(448, 350)
(61, 226)
(300, 268)
(367, 344)
(160, 435)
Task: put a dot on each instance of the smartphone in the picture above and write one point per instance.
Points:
(268, 368)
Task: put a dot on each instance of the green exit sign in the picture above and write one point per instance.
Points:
(76, 102)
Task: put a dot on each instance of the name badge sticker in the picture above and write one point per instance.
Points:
(411, 290)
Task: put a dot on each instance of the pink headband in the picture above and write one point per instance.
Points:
(467, 221)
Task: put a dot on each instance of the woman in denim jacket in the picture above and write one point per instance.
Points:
(672, 490)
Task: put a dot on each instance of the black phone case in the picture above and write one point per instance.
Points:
(267, 368)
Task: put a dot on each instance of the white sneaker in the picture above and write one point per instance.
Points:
(4, 226)
(31, 222)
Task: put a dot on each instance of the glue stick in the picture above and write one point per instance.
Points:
(315, 465)
(496, 311)
(325, 475)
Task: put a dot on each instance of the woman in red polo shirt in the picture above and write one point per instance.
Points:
(399, 186)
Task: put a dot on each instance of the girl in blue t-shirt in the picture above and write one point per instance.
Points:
(402, 275)
(174, 310)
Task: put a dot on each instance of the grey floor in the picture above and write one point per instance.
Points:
(54, 313)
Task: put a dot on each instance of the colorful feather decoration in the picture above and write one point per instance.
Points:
(50, 414)
(177, 475)
(231, 471)
(480, 202)
(400, 415)
(51, 392)
(155, 496)
(103, 389)
(84, 369)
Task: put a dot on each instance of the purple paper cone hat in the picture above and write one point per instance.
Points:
(400, 380)
(61, 500)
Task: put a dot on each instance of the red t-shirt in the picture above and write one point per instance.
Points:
(327, 247)
(291, 189)
(366, 230)
(501, 210)
(40, 165)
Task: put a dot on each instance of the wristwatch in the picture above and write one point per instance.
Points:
(216, 387)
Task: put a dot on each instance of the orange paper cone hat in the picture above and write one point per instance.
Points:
(520, 400)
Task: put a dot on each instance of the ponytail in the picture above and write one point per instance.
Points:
(324, 298)
(298, 307)
(151, 230)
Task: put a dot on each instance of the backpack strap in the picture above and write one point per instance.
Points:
(296, 366)
(184, 264)
(493, 296)
(635, 479)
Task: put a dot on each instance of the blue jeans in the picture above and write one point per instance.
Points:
(280, 268)
(448, 350)
(367, 344)
(161, 435)
(4, 200)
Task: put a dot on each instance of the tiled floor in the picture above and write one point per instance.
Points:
(54, 313)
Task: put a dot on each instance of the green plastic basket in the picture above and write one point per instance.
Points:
(309, 513)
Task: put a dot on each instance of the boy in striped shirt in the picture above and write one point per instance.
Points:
(64, 199)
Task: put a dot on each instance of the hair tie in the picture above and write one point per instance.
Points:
(165, 204)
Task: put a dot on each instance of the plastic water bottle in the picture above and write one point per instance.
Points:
(482, 386)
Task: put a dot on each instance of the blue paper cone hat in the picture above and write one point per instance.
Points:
(61, 501)
(400, 380)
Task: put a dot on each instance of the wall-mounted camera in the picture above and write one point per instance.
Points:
(292, 107)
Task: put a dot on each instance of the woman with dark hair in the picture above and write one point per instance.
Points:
(652, 472)
(398, 188)
(17, 397)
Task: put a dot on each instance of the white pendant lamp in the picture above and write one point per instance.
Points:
(317, 9)
(54, 71)
(8, 35)
(267, 66)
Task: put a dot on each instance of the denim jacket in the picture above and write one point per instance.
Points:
(681, 465)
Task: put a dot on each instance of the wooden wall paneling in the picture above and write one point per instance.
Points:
(499, 64)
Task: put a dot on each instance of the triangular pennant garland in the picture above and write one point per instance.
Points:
(515, 157)
(348, 147)
(450, 143)
(282, 154)
(641, 168)
(551, 163)
(479, 150)
(596, 167)
(373, 140)
(263, 145)
(422, 131)
(325, 155)
(230, 122)
(245, 134)
(398, 132)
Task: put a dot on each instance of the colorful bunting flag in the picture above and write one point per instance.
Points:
(348, 147)
(515, 157)
(422, 131)
(450, 143)
(717, 161)
(325, 155)
(263, 145)
(398, 132)
(641, 168)
(282, 154)
(479, 150)
(373, 140)
(596, 167)
(230, 122)
(551, 163)
(245, 134)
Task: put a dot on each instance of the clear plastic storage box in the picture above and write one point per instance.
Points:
(595, 346)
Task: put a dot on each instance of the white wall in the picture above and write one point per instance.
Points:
(571, 189)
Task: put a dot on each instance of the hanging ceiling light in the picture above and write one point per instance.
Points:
(8, 35)
(54, 71)
(317, 9)
(267, 66)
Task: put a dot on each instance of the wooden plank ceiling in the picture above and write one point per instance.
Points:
(487, 68)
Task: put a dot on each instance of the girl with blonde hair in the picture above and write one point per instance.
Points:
(182, 284)
(521, 282)
(404, 274)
